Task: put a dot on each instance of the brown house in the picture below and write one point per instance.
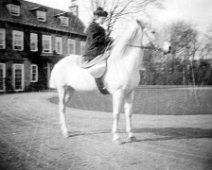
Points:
(33, 38)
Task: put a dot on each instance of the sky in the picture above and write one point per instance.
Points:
(197, 12)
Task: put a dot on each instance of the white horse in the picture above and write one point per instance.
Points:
(120, 79)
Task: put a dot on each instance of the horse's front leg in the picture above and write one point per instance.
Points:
(117, 105)
(128, 103)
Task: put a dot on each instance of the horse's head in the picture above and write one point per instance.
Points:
(139, 35)
(151, 39)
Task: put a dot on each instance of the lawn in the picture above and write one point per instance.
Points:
(30, 135)
(156, 100)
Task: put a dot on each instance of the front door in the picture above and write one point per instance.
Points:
(18, 77)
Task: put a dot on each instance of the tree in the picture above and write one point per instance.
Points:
(206, 48)
(184, 40)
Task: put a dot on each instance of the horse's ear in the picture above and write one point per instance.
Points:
(139, 22)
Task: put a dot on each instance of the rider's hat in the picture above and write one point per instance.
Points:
(100, 12)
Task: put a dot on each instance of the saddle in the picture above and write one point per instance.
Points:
(97, 68)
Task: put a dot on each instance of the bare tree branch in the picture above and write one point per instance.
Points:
(119, 9)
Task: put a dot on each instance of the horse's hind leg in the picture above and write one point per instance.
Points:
(128, 102)
(117, 105)
(69, 93)
(65, 94)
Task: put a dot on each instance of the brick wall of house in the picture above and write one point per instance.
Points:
(27, 23)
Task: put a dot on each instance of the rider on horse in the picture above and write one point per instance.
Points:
(97, 41)
(97, 48)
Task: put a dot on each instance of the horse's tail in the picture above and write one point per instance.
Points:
(52, 83)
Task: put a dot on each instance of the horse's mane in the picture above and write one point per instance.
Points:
(128, 37)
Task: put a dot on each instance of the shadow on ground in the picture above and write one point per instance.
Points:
(166, 101)
(158, 134)
(174, 133)
(81, 133)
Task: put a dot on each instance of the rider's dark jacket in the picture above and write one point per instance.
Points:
(96, 42)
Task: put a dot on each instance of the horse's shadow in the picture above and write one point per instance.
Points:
(86, 133)
(164, 134)
(155, 134)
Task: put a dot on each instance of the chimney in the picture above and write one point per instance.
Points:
(74, 8)
(74, 3)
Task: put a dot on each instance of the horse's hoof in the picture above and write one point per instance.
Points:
(131, 139)
(118, 142)
(65, 135)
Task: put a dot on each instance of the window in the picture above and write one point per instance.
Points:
(18, 40)
(2, 38)
(14, 9)
(33, 42)
(82, 47)
(71, 46)
(64, 21)
(2, 77)
(58, 45)
(34, 73)
(47, 43)
(41, 16)
(18, 77)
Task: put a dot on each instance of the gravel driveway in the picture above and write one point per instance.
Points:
(30, 139)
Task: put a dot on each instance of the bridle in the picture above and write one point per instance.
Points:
(151, 47)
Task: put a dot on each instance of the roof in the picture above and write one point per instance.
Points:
(28, 17)
(16, 2)
(41, 8)
(65, 14)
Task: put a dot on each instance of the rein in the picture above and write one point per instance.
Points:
(140, 46)
(144, 47)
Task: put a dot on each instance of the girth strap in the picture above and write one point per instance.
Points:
(101, 86)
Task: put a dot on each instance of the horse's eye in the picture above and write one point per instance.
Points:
(153, 32)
